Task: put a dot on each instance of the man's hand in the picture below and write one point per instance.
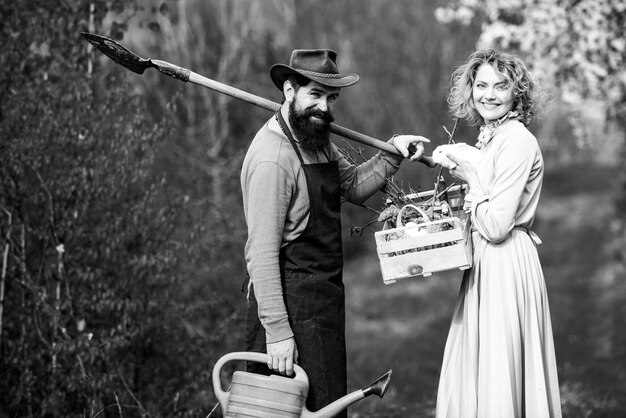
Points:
(282, 355)
(406, 143)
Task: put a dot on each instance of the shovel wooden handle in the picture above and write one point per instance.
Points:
(135, 63)
(195, 78)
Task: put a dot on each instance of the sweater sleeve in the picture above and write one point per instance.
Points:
(494, 211)
(269, 196)
(360, 182)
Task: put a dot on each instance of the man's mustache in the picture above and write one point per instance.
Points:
(320, 114)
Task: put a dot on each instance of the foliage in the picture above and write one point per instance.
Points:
(224, 41)
(111, 277)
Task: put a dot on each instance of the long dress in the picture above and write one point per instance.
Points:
(499, 359)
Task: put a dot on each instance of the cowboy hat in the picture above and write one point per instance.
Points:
(318, 65)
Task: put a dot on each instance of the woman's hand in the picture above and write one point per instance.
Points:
(462, 169)
(407, 143)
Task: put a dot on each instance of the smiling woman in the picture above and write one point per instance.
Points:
(499, 359)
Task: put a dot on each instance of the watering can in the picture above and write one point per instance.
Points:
(275, 396)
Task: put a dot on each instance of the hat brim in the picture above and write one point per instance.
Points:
(280, 72)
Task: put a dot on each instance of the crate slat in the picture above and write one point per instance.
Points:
(425, 263)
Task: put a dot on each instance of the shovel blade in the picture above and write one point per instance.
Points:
(118, 53)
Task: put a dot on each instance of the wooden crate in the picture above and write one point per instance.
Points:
(411, 251)
(423, 249)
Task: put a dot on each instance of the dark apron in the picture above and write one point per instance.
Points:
(311, 274)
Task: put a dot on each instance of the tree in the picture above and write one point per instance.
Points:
(225, 41)
(104, 306)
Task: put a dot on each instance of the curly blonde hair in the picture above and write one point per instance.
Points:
(528, 96)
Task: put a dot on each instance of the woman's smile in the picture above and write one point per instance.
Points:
(490, 106)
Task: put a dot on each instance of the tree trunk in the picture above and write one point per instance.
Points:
(3, 275)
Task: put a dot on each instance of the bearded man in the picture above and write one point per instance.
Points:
(293, 179)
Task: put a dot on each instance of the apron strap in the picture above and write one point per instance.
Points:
(287, 132)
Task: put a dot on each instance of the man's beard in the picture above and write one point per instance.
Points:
(313, 135)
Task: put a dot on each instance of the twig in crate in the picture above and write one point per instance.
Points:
(439, 177)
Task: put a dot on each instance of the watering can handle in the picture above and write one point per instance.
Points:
(222, 396)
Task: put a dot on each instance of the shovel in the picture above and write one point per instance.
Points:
(134, 63)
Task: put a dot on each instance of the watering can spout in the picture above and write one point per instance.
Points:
(378, 388)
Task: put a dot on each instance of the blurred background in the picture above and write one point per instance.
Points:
(121, 221)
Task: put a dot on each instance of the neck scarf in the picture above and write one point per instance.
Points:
(487, 130)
